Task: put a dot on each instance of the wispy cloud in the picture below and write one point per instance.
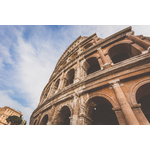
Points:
(28, 55)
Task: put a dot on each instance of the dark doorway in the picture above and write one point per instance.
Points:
(94, 65)
(102, 113)
(63, 117)
(70, 77)
(143, 97)
(44, 120)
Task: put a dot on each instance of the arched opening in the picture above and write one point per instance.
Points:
(101, 113)
(55, 87)
(34, 122)
(44, 120)
(88, 45)
(63, 117)
(143, 97)
(69, 77)
(93, 65)
(122, 52)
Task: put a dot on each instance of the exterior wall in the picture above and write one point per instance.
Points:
(5, 112)
(117, 83)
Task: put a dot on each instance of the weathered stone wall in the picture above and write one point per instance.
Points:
(94, 73)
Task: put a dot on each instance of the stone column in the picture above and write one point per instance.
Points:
(51, 90)
(51, 115)
(64, 82)
(138, 41)
(85, 67)
(126, 109)
(39, 119)
(75, 109)
(106, 64)
(77, 73)
(139, 114)
(61, 81)
(120, 117)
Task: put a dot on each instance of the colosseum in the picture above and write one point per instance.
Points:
(99, 82)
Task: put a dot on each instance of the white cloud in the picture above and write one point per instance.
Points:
(5, 56)
(34, 59)
(8, 101)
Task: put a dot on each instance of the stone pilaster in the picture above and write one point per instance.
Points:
(50, 115)
(77, 72)
(75, 109)
(139, 114)
(120, 117)
(126, 109)
(106, 64)
(61, 81)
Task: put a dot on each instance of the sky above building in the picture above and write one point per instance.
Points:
(28, 55)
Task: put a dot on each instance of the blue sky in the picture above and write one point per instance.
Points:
(28, 55)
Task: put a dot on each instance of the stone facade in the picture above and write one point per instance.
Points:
(99, 82)
(5, 112)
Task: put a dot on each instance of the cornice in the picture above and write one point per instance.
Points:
(102, 74)
(103, 43)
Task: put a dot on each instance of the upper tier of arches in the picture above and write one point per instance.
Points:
(87, 65)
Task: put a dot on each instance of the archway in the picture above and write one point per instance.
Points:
(93, 65)
(122, 52)
(55, 87)
(69, 77)
(63, 117)
(143, 97)
(44, 120)
(101, 113)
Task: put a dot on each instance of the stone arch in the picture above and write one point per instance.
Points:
(69, 77)
(99, 110)
(98, 94)
(140, 94)
(55, 86)
(63, 115)
(96, 55)
(122, 51)
(135, 88)
(91, 65)
(44, 120)
(60, 107)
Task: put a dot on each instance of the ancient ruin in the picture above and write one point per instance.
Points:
(99, 82)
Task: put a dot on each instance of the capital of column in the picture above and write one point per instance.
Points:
(115, 83)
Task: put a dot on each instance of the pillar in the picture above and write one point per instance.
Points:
(51, 115)
(120, 117)
(138, 41)
(77, 72)
(139, 114)
(60, 86)
(126, 109)
(106, 64)
(85, 67)
(75, 109)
